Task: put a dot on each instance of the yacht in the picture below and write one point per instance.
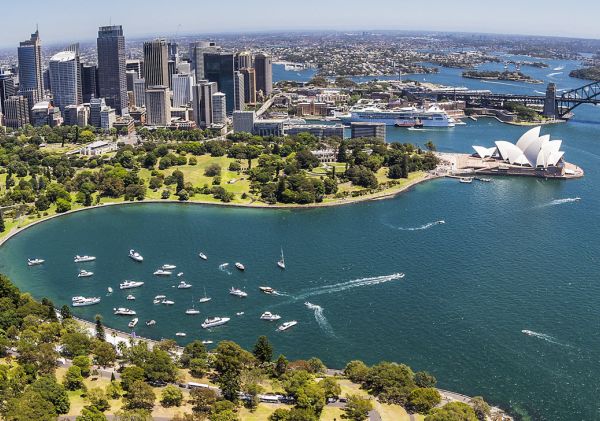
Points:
(238, 292)
(133, 323)
(84, 274)
(267, 315)
(180, 274)
(281, 262)
(130, 284)
(168, 267)
(204, 299)
(136, 256)
(192, 311)
(158, 299)
(466, 180)
(81, 259)
(215, 321)
(202, 256)
(162, 272)
(83, 301)
(286, 325)
(122, 311)
(150, 322)
(34, 262)
(130, 297)
(184, 285)
(268, 290)
(181, 334)
(240, 266)
(167, 302)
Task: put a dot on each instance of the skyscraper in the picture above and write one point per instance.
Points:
(243, 60)
(135, 65)
(196, 53)
(7, 88)
(89, 82)
(16, 112)
(219, 107)
(139, 92)
(96, 106)
(156, 58)
(263, 65)
(218, 67)
(112, 85)
(182, 89)
(65, 78)
(202, 102)
(158, 106)
(238, 80)
(249, 85)
(30, 66)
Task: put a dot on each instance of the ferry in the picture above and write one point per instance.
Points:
(34, 262)
(287, 325)
(267, 315)
(240, 266)
(238, 292)
(81, 259)
(130, 284)
(83, 301)
(215, 321)
(433, 116)
(136, 256)
(162, 272)
(122, 311)
(84, 274)
(133, 323)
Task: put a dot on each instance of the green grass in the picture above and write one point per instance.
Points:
(332, 414)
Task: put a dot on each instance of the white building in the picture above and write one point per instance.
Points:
(182, 89)
(100, 147)
(219, 109)
(65, 79)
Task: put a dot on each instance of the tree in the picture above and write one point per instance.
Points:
(331, 388)
(73, 379)
(356, 371)
(75, 343)
(212, 170)
(391, 382)
(65, 312)
(281, 365)
(91, 413)
(2, 226)
(62, 205)
(30, 406)
(263, 351)
(316, 366)
(481, 408)
(198, 367)
(229, 361)
(453, 411)
(395, 171)
(53, 392)
(83, 362)
(159, 366)
(98, 399)
(202, 400)
(194, 349)
(104, 353)
(223, 411)
(133, 415)
(130, 375)
(423, 399)
(357, 408)
(171, 396)
(140, 396)
(430, 146)
(424, 379)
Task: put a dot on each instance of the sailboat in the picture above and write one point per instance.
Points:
(281, 262)
(204, 299)
(192, 311)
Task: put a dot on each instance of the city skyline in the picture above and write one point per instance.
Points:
(139, 19)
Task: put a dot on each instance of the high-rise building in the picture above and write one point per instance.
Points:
(139, 93)
(238, 91)
(7, 88)
(158, 106)
(196, 53)
(89, 82)
(135, 65)
(96, 106)
(130, 76)
(65, 77)
(182, 89)
(156, 58)
(112, 85)
(219, 108)
(76, 115)
(30, 66)
(202, 102)
(244, 60)
(16, 112)
(263, 65)
(243, 121)
(249, 85)
(171, 70)
(218, 67)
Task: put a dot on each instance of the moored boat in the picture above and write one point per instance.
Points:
(287, 325)
(162, 272)
(130, 297)
(84, 274)
(81, 259)
(240, 266)
(34, 262)
(181, 334)
(130, 284)
(167, 302)
(123, 311)
(84, 301)
(136, 256)
(267, 315)
(184, 285)
(150, 322)
(214, 321)
(466, 180)
(192, 311)
(238, 292)
(202, 256)
(168, 267)
(133, 323)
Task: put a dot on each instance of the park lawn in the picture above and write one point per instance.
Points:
(332, 413)
(349, 388)
(186, 377)
(391, 412)
(261, 413)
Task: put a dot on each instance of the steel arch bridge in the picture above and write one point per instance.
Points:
(569, 100)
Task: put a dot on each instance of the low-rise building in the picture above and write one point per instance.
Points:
(268, 127)
(99, 147)
(45, 114)
(318, 130)
(367, 129)
(326, 155)
(243, 121)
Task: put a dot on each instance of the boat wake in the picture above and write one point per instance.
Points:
(544, 337)
(422, 227)
(559, 68)
(320, 318)
(225, 268)
(343, 286)
(557, 202)
(554, 74)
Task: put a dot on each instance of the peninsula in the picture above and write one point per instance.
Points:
(496, 75)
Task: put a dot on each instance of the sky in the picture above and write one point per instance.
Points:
(78, 20)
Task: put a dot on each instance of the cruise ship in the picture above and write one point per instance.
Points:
(433, 116)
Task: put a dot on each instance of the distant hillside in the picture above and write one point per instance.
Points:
(590, 73)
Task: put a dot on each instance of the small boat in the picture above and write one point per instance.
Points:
(485, 180)
(239, 313)
(208, 342)
(131, 297)
(287, 325)
(267, 315)
(84, 301)
(110, 290)
(81, 259)
(202, 256)
(34, 262)
(150, 322)
(466, 180)
(168, 267)
(184, 285)
(181, 334)
(238, 292)
(136, 256)
(268, 290)
(167, 302)
(122, 311)
(240, 266)
(84, 274)
(281, 262)
(214, 321)
(192, 311)
(180, 274)
(133, 323)
(162, 272)
(160, 297)
(130, 284)
(204, 299)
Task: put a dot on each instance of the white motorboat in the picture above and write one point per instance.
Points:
(131, 297)
(202, 256)
(81, 259)
(162, 272)
(214, 321)
(281, 262)
(150, 322)
(168, 267)
(287, 325)
(208, 342)
(136, 256)
(133, 323)
(204, 299)
(84, 301)
(240, 266)
(181, 334)
(167, 302)
(160, 297)
(268, 290)
(239, 313)
(84, 274)
(466, 180)
(34, 262)
(110, 290)
(122, 311)
(130, 284)
(238, 292)
(184, 285)
(180, 274)
(267, 315)
(192, 311)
